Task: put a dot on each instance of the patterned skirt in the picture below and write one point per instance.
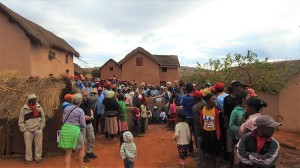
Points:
(111, 125)
(123, 126)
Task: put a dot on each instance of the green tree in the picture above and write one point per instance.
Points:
(96, 73)
(261, 75)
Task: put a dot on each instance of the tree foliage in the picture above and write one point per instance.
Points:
(96, 73)
(260, 75)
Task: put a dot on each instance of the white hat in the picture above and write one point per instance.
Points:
(31, 96)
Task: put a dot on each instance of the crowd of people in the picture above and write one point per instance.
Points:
(226, 127)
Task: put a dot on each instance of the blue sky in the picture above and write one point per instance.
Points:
(195, 30)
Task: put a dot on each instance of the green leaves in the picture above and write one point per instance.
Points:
(259, 74)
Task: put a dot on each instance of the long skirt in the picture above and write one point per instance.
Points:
(123, 126)
(111, 125)
(210, 143)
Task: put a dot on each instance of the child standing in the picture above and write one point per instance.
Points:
(128, 150)
(163, 116)
(136, 120)
(182, 136)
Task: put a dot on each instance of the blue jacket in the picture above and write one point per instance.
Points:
(187, 102)
(100, 108)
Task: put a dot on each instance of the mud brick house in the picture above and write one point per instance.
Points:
(111, 68)
(141, 66)
(32, 50)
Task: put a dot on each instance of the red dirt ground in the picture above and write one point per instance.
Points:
(156, 149)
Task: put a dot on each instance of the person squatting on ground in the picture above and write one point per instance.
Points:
(210, 124)
(71, 135)
(88, 131)
(182, 136)
(31, 123)
(163, 116)
(258, 149)
(128, 150)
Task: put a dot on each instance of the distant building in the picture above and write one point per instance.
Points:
(30, 49)
(141, 66)
(111, 68)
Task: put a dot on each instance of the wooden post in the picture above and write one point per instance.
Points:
(8, 140)
(2, 141)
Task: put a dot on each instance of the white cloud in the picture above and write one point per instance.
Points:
(193, 30)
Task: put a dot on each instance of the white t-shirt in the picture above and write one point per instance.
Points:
(183, 134)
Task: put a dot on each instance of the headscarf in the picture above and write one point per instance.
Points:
(110, 94)
(35, 112)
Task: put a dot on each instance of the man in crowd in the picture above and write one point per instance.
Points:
(259, 149)
(31, 123)
(229, 104)
(88, 131)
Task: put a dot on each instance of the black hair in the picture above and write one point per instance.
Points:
(181, 116)
(208, 96)
(121, 97)
(189, 87)
(256, 103)
(241, 95)
(219, 90)
(229, 89)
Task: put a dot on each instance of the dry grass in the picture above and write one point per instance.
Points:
(14, 90)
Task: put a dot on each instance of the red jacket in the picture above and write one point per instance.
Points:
(144, 99)
(217, 121)
(136, 114)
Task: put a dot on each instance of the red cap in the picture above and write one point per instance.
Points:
(68, 97)
(114, 87)
(198, 94)
(107, 84)
(99, 88)
(213, 88)
(251, 92)
(219, 85)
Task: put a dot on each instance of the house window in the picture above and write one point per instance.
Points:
(67, 71)
(67, 59)
(139, 61)
(51, 55)
(164, 69)
(111, 68)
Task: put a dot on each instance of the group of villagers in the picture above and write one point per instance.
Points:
(226, 127)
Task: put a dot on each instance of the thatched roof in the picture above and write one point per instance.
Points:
(110, 60)
(168, 60)
(78, 69)
(15, 88)
(161, 60)
(37, 34)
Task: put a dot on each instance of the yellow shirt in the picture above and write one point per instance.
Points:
(209, 119)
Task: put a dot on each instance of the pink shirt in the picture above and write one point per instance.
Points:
(249, 123)
(173, 108)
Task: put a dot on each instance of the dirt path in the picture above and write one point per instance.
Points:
(156, 149)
